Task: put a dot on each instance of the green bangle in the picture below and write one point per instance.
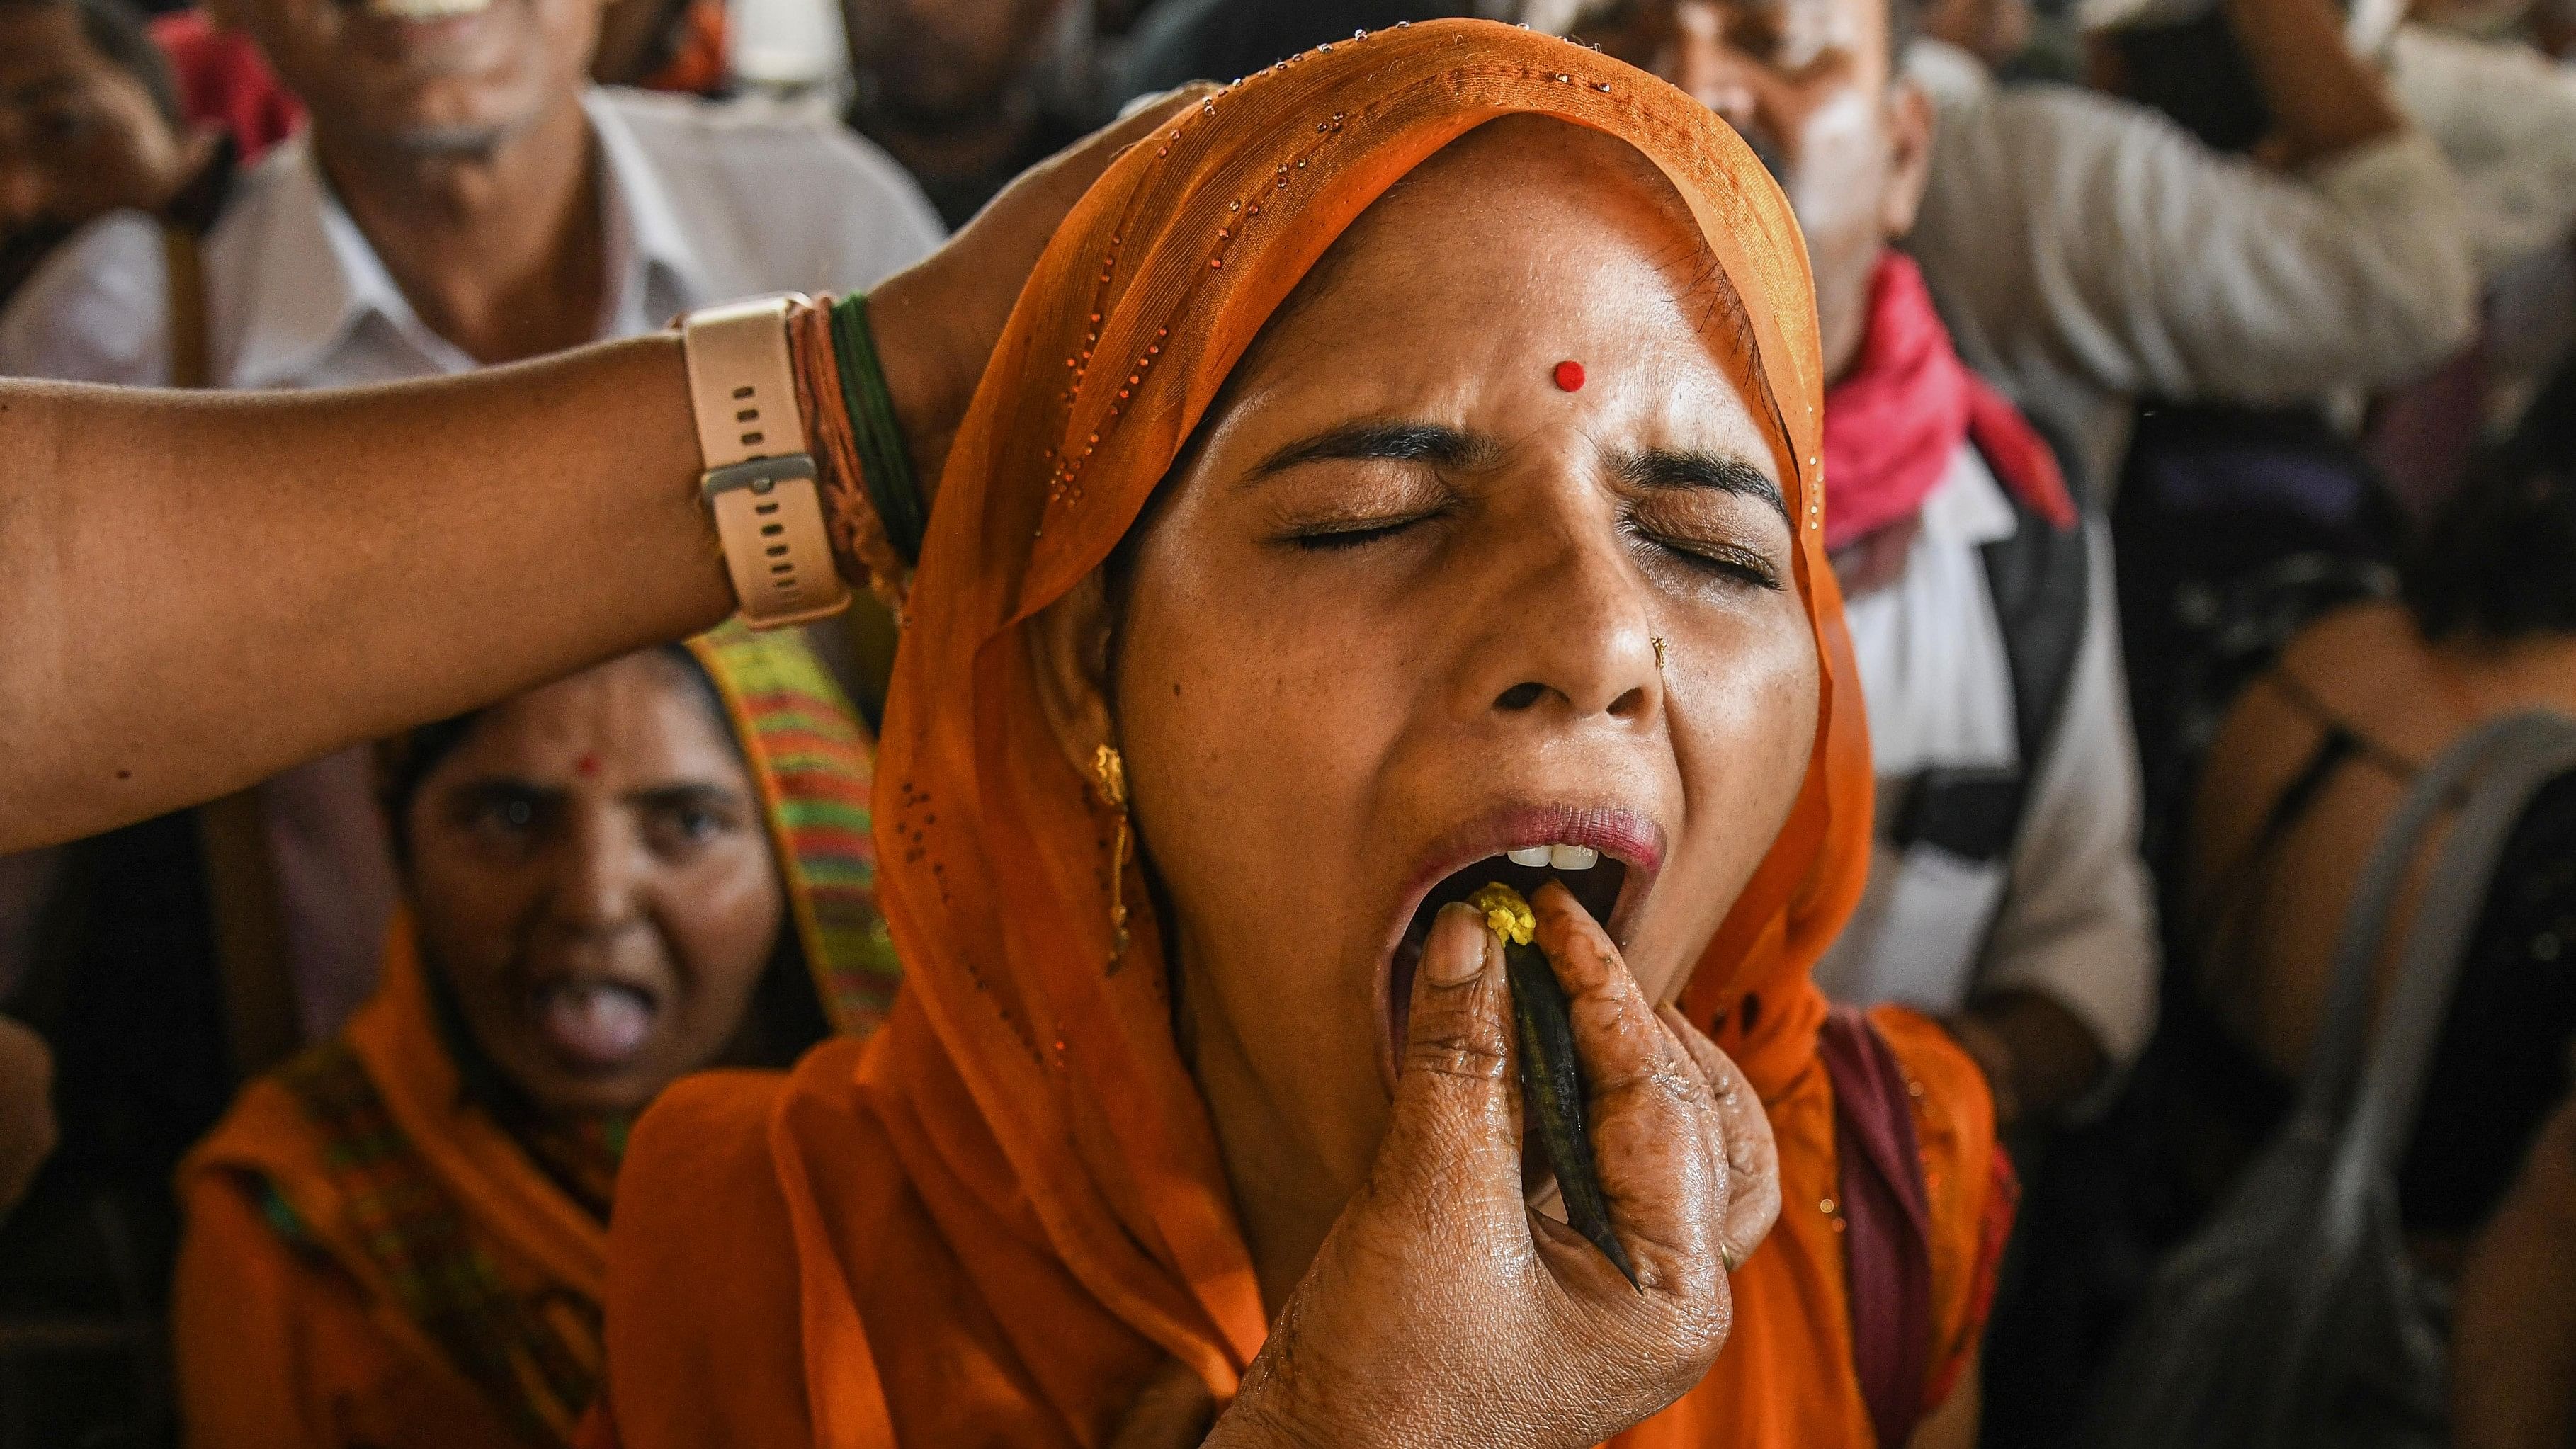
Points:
(884, 463)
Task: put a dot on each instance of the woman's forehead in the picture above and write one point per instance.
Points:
(642, 709)
(1520, 178)
(1524, 246)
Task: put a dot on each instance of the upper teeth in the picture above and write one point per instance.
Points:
(425, 9)
(1561, 857)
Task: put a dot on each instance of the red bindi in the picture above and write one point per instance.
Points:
(586, 766)
(1569, 375)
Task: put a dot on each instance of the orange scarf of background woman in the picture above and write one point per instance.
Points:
(373, 1259)
(993, 1223)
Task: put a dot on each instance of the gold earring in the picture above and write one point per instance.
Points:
(1109, 773)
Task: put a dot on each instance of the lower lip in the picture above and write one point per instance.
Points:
(601, 1029)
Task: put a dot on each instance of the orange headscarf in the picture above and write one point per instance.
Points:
(1060, 1223)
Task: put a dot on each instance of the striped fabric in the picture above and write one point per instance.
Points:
(812, 763)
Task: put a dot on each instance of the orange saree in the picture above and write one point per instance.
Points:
(992, 1223)
(372, 1259)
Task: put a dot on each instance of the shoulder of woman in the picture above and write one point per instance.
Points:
(265, 1136)
(702, 1322)
(706, 1137)
(2349, 654)
(1952, 1108)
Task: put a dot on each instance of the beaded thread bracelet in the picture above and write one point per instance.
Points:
(871, 496)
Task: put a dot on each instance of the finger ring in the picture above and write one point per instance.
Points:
(1726, 1255)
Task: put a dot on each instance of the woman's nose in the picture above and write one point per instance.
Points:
(600, 872)
(1572, 633)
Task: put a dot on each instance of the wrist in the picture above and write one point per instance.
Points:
(929, 396)
(1988, 1047)
(756, 447)
(874, 512)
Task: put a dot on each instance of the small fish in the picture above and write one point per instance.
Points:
(1552, 1086)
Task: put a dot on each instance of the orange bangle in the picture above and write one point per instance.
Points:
(860, 546)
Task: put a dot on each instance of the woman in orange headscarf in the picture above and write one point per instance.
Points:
(1400, 474)
(399, 1238)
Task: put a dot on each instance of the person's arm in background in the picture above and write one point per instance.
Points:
(2325, 100)
(2095, 235)
(2067, 986)
(2513, 1343)
(27, 1126)
(198, 591)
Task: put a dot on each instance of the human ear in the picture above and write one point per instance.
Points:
(1069, 650)
(1909, 157)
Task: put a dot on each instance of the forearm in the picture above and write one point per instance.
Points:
(2037, 1056)
(197, 591)
(206, 589)
(2324, 98)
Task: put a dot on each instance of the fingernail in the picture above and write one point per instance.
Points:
(1456, 950)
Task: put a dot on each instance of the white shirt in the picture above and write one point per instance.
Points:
(2505, 116)
(2069, 915)
(2087, 252)
(703, 203)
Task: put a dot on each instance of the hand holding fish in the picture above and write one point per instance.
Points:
(1442, 1309)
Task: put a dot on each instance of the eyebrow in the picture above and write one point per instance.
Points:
(682, 792)
(1380, 440)
(668, 796)
(1691, 468)
(1399, 441)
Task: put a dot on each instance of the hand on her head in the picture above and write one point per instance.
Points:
(937, 321)
(1442, 1309)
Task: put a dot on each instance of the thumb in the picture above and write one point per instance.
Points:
(1456, 1106)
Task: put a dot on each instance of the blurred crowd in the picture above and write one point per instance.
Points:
(2201, 436)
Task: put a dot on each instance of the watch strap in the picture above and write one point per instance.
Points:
(759, 480)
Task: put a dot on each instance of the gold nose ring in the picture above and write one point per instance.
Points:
(1659, 652)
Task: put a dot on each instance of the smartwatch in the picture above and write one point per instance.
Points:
(759, 480)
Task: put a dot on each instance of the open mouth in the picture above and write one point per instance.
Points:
(1599, 883)
(592, 1025)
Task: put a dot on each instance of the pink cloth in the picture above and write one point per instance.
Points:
(1894, 422)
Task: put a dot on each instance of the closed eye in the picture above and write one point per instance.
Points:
(1340, 536)
(1724, 561)
(1712, 557)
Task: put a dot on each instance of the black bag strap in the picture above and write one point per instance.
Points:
(2039, 577)
(2501, 764)
(2335, 1056)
